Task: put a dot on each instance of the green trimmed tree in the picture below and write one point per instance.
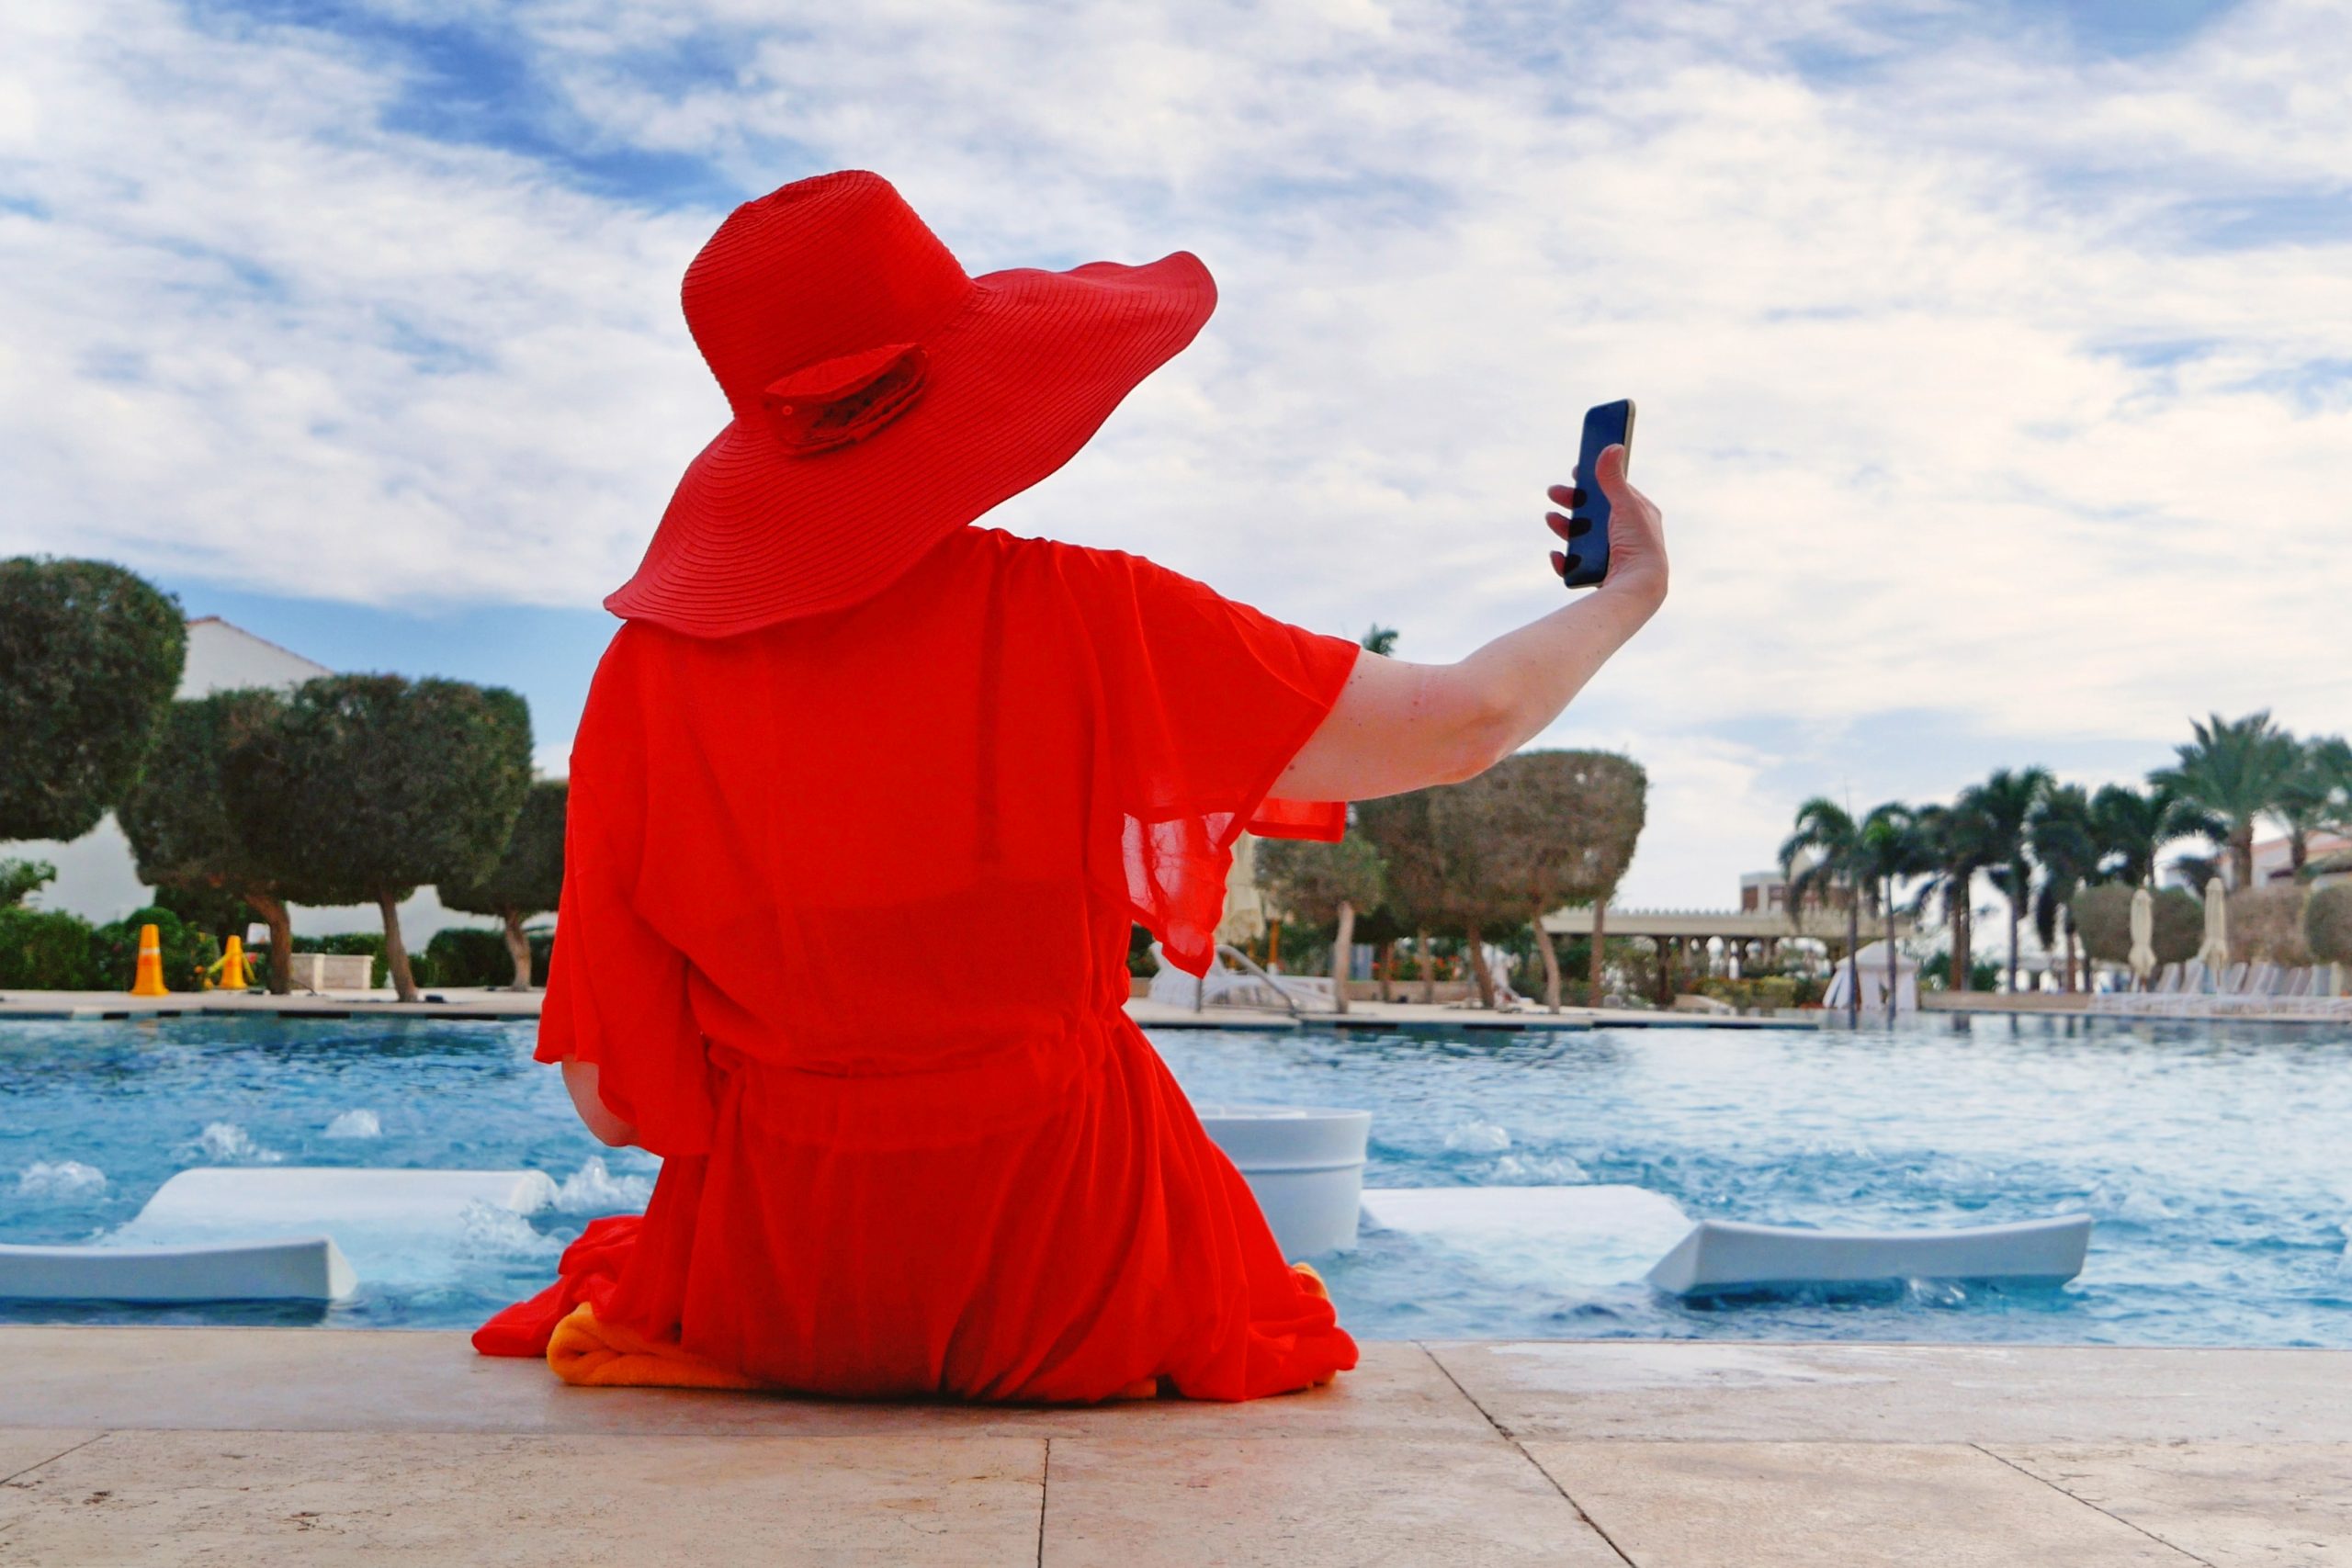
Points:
(2327, 923)
(1557, 827)
(2266, 924)
(2179, 926)
(528, 877)
(182, 821)
(1325, 883)
(1398, 826)
(89, 656)
(2100, 916)
(382, 785)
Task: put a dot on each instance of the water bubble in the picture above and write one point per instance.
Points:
(1477, 1138)
(225, 1143)
(1539, 1170)
(60, 1178)
(594, 1190)
(489, 1230)
(356, 1124)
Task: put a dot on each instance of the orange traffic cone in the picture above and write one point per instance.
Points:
(149, 980)
(234, 974)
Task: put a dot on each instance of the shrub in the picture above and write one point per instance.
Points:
(2180, 926)
(2266, 925)
(468, 955)
(114, 951)
(2102, 918)
(2327, 923)
(44, 950)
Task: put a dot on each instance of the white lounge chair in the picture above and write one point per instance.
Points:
(300, 1269)
(1233, 980)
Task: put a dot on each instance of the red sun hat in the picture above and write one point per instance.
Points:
(882, 398)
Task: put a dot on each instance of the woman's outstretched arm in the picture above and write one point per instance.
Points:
(1398, 725)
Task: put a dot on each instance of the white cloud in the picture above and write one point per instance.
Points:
(1893, 328)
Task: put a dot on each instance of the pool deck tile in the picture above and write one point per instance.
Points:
(1724, 1391)
(327, 1380)
(1854, 1505)
(2232, 1505)
(170, 1446)
(277, 1498)
(1305, 1503)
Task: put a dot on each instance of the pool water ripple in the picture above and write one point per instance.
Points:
(2214, 1157)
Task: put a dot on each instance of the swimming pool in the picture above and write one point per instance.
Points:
(2216, 1158)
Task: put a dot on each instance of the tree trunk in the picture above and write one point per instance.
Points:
(1551, 964)
(1273, 944)
(2241, 853)
(1388, 969)
(282, 941)
(2014, 900)
(518, 948)
(1854, 956)
(1600, 939)
(1479, 970)
(1893, 973)
(1341, 943)
(1962, 917)
(395, 950)
(1429, 968)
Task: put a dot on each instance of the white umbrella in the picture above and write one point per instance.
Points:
(2143, 935)
(2215, 954)
(1244, 920)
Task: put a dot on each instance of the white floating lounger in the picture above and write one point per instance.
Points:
(1724, 1257)
(1597, 1238)
(306, 1269)
(215, 1202)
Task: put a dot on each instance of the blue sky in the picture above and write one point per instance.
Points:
(1996, 358)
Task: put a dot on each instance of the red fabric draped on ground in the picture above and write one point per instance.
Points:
(844, 924)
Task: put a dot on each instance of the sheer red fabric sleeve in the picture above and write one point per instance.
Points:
(1206, 702)
(616, 988)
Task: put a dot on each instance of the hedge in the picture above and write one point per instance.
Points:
(45, 949)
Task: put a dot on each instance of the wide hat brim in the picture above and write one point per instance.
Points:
(1019, 380)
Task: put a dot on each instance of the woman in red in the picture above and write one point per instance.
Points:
(863, 803)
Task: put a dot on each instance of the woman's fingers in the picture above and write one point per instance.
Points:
(1559, 524)
(1565, 495)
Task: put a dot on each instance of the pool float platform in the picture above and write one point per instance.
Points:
(169, 1446)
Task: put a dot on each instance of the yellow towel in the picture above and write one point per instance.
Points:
(595, 1354)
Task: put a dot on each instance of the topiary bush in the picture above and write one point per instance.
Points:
(114, 951)
(44, 950)
(2327, 923)
(2266, 925)
(2101, 915)
(467, 955)
(2180, 926)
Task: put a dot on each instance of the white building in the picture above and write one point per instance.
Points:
(97, 877)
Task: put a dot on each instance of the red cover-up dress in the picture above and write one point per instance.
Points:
(845, 921)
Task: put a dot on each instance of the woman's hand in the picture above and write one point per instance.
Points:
(1398, 725)
(1637, 531)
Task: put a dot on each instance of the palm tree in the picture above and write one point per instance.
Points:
(1823, 859)
(2132, 829)
(2004, 802)
(2313, 797)
(1380, 639)
(1958, 840)
(2236, 770)
(2060, 834)
(1892, 846)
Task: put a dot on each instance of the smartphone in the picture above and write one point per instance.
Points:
(1587, 546)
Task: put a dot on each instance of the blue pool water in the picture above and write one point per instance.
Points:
(2216, 1158)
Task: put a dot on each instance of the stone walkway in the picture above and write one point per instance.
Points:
(124, 1446)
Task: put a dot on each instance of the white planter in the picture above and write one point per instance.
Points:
(1305, 1166)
